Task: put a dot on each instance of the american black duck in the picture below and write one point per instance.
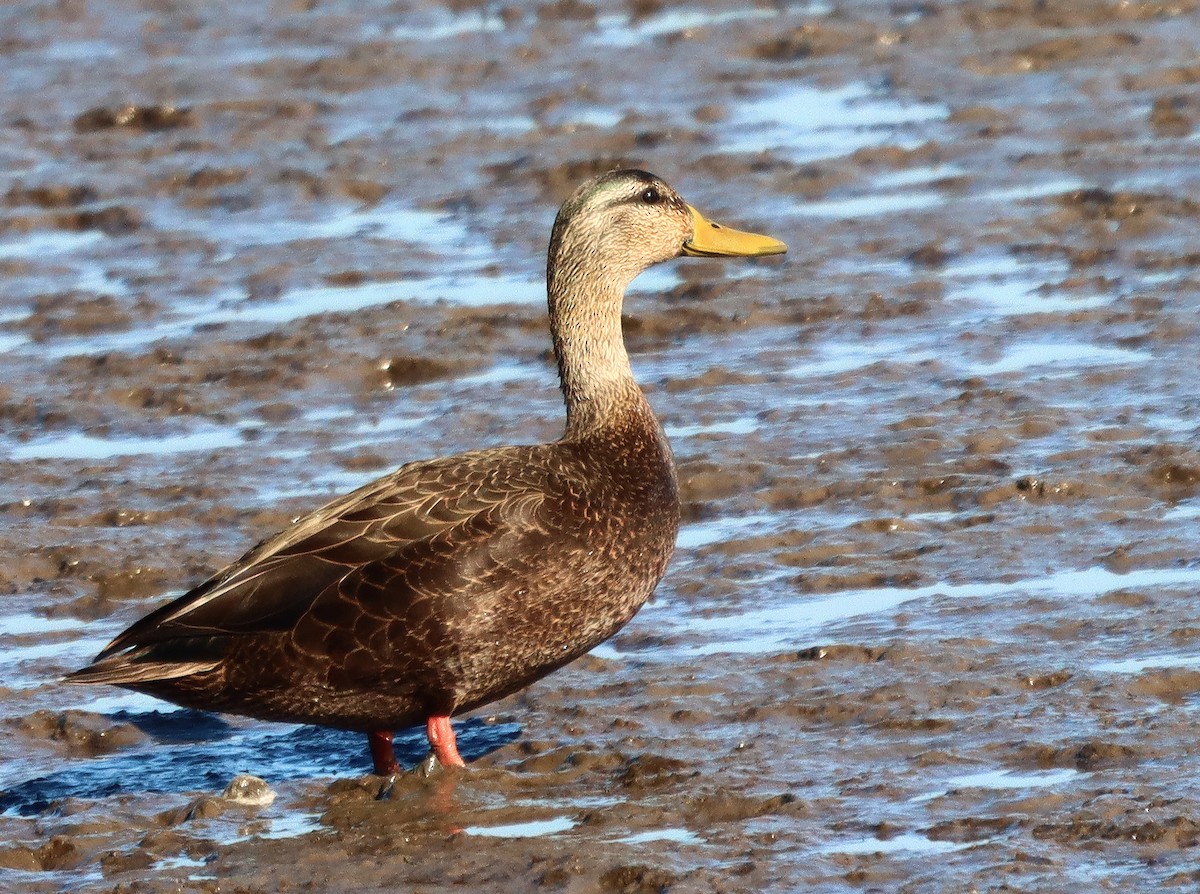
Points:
(453, 582)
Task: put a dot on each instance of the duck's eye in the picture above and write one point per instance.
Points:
(651, 196)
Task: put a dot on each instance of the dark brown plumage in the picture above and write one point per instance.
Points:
(453, 582)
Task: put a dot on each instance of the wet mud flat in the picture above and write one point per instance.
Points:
(932, 623)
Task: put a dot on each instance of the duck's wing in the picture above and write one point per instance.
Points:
(277, 582)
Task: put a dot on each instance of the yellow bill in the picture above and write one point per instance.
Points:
(711, 240)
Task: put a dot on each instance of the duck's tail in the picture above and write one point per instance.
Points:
(125, 669)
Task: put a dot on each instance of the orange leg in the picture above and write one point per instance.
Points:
(382, 753)
(441, 740)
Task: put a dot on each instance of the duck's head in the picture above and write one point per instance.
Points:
(626, 220)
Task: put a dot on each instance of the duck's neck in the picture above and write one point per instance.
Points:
(585, 318)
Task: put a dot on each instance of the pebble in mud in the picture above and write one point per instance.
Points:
(249, 790)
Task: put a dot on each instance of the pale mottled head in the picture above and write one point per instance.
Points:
(608, 232)
(626, 220)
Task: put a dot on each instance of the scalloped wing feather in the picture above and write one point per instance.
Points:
(277, 581)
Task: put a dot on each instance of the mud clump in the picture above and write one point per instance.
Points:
(58, 854)
(1057, 52)
(1183, 479)
(134, 117)
(203, 808)
(115, 862)
(1171, 685)
(637, 879)
(1048, 681)
(1176, 832)
(810, 40)
(1174, 116)
(724, 806)
(1089, 757)
(843, 652)
(82, 734)
(113, 220)
(401, 370)
(24, 859)
(1063, 51)
(652, 771)
(75, 313)
(971, 828)
(52, 196)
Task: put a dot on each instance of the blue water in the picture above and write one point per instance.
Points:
(194, 751)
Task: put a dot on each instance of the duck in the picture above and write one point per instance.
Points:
(453, 582)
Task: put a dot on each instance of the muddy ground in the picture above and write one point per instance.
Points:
(932, 624)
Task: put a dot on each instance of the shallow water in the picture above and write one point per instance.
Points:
(800, 621)
(908, 842)
(530, 829)
(807, 123)
(78, 445)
